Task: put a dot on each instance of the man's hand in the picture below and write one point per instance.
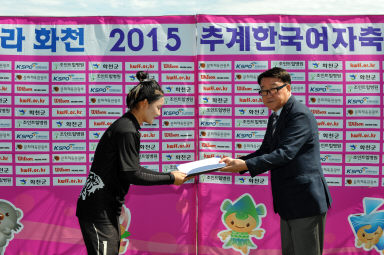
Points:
(233, 165)
(179, 177)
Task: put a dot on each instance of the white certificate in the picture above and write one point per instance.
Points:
(201, 166)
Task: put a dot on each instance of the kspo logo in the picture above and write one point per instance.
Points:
(173, 113)
(26, 136)
(357, 101)
(357, 171)
(100, 90)
(26, 67)
(63, 147)
(209, 123)
(246, 66)
(63, 78)
(246, 135)
(313, 89)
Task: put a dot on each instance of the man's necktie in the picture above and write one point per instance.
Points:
(274, 121)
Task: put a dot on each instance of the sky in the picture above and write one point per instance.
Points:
(188, 7)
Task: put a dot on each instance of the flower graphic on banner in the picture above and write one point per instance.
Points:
(368, 226)
(125, 221)
(243, 220)
(9, 223)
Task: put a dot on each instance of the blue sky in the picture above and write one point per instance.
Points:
(189, 7)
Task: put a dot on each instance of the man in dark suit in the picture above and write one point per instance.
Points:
(291, 151)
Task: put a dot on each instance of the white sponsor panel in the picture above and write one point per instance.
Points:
(325, 77)
(363, 100)
(362, 170)
(177, 66)
(179, 100)
(215, 133)
(215, 179)
(363, 88)
(20, 146)
(32, 158)
(362, 147)
(178, 123)
(361, 182)
(29, 100)
(247, 180)
(362, 65)
(6, 169)
(68, 158)
(6, 158)
(328, 100)
(246, 123)
(362, 135)
(331, 135)
(69, 135)
(5, 88)
(247, 146)
(68, 181)
(252, 100)
(68, 100)
(252, 65)
(140, 66)
(68, 66)
(329, 123)
(215, 65)
(31, 135)
(5, 123)
(178, 77)
(68, 77)
(175, 134)
(32, 181)
(31, 89)
(213, 122)
(149, 157)
(68, 89)
(176, 146)
(68, 123)
(327, 111)
(68, 112)
(362, 158)
(331, 158)
(362, 123)
(105, 77)
(31, 123)
(32, 170)
(325, 88)
(214, 77)
(178, 89)
(105, 89)
(363, 77)
(175, 112)
(332, 170)
(5, 135)
(105, 66)
(212, 154)
(334, 181)
(100, 123)
(185, 157)
(247, 88)
(325, 65)
(207, 99)
(251, 111)
(6, 181)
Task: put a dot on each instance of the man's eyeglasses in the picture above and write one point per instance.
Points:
(265, 92)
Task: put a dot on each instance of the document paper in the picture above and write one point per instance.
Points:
(200, 166)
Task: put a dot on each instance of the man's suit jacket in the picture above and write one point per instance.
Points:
(292, 154)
